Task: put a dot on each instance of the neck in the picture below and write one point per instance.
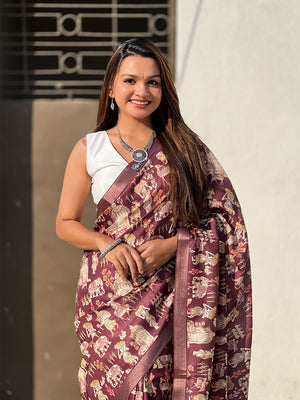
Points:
(130, 128)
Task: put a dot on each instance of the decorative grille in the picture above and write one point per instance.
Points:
(57, 50)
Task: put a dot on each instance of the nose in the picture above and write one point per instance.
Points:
(141, 89)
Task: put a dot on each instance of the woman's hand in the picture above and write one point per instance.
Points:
(156, 253)
(125, 258)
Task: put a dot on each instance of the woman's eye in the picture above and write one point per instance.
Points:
(129, 80)
(154, 83)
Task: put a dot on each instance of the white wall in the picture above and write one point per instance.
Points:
(238, 77)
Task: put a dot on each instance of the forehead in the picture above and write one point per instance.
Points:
(139, 66)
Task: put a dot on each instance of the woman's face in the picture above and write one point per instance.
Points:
(137, 88)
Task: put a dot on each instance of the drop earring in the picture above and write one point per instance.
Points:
(112, 104)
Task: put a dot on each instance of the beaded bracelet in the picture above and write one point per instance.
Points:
(110, 247)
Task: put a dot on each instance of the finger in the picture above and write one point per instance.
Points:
(143, 255)
(149, 271)
(146, 269)
(123, 272)
(142, 247)
(145, 252)
(139, 261)
(119, 260)
(132, 265)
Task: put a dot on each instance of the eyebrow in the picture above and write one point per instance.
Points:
(135, 76)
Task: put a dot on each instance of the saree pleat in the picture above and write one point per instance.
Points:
(187, 338)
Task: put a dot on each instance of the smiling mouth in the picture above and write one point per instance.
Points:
(140, 103)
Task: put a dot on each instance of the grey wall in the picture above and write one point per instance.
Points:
(56, 127)
(239, 83)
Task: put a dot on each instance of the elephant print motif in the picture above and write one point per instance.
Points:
(204, 354)
(120, 220)
(142, 339)
(114, 374)
(96, 288)
(101, 345)
(121, 288)
(198, 334)
(104, 318)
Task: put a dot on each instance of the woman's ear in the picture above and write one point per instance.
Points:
(111, 93)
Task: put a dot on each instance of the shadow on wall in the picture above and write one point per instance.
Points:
(16, 251)
(40, 355)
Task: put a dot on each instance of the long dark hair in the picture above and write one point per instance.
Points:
(180, 144)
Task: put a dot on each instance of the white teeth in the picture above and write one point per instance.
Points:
(140, 102)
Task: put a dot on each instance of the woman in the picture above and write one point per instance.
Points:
(163, 305)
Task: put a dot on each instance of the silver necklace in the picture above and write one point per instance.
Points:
(137, 155)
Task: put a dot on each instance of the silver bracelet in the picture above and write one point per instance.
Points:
(110, 247)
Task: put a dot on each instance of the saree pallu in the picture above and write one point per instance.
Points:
(184, 332)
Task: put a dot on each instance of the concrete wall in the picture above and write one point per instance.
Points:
(238, 78)
(56, 127)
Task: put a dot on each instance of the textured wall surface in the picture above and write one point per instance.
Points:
(56, 127)
(238, 78)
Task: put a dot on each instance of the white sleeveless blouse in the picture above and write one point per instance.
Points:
(103, 163)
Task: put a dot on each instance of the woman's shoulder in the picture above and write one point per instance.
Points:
(78, 153)
(81, 144)
(80, 147)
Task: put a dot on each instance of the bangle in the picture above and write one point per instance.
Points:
(110, 247)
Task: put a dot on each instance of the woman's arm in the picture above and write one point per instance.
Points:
(75, 191)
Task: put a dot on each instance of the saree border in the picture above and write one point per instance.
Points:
(180, 315)
(141, 368)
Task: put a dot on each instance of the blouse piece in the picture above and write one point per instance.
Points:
(103, 163)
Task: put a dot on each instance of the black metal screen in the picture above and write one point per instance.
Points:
(60, 49)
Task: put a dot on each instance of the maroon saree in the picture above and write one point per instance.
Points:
(184, 332)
